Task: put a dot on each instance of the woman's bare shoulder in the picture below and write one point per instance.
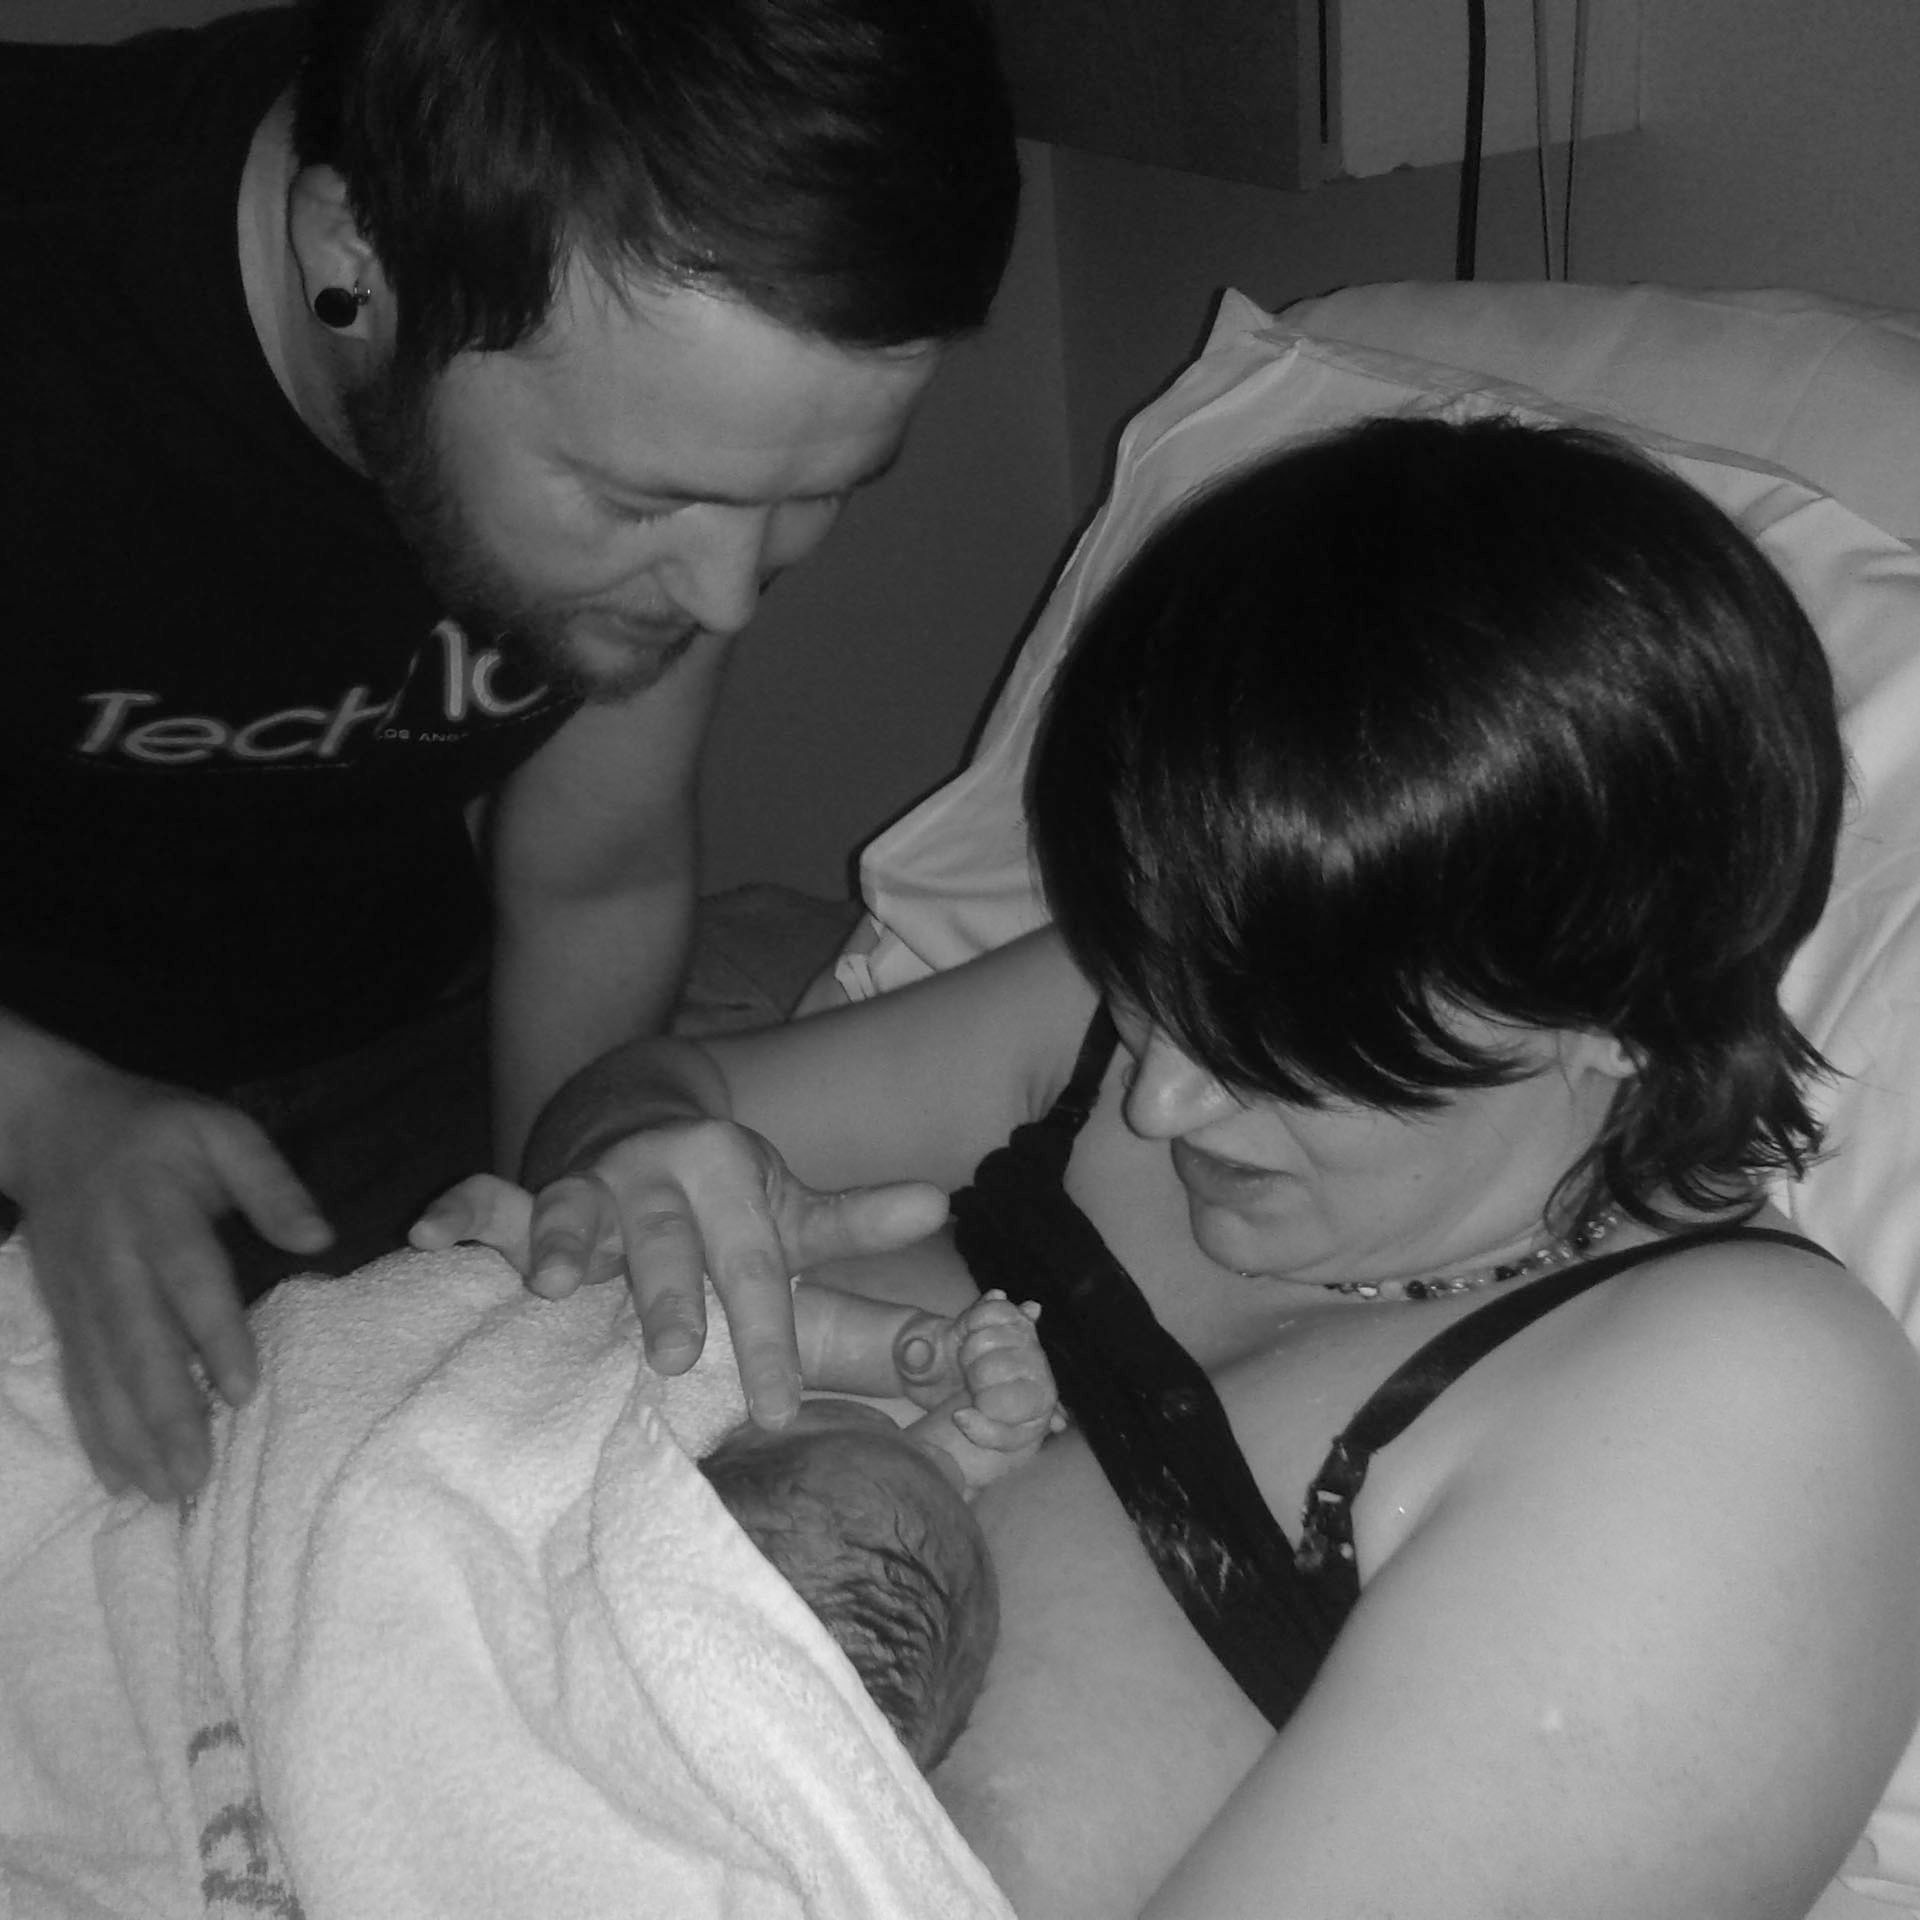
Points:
(1758, 1333)
(1730, 1387)
(1660, 1607)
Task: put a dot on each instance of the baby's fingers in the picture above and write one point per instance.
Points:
(999, 1340)
(1018, 1401)
(1006, 1371)
(1002, 1436)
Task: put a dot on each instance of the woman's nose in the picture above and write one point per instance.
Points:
(1169, 1095)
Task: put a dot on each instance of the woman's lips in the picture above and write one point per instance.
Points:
(1221, 1182)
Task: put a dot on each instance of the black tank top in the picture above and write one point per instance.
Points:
(1270, 1608)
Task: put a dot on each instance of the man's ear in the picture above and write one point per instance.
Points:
(331, 251)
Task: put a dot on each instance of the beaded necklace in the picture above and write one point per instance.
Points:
(1559, 1252)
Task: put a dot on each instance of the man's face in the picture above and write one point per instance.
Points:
(633, 478)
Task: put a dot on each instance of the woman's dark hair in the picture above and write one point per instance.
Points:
(846, 167)
(1424, 717)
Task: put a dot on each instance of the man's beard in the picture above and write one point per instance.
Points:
(390, 419)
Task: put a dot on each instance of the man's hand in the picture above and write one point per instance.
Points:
(671, 1205)
(119, 1182)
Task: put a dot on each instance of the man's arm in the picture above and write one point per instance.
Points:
(593, 847)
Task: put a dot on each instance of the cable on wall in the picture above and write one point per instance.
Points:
(1557, 263)
(1467, 225)
(1578, 93)
(1543, 135)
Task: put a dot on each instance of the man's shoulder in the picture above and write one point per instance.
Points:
(85, 120)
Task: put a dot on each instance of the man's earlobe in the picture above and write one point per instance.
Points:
(339, 307)
(339, 270)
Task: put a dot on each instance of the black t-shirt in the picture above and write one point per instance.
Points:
(236, 736)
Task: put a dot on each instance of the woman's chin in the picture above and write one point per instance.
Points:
(1231, 1240)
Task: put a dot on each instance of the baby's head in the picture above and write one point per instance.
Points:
(873, 1533)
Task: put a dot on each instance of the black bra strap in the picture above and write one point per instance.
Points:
(1154, 1423)
(1326, 1530)
(1146, 1409)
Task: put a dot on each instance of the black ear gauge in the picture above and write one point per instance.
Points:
(339, 307)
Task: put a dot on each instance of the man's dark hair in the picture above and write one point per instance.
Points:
(846, 167)
(1424, 717)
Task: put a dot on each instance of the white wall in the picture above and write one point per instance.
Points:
(1781, 146)
(857, 687)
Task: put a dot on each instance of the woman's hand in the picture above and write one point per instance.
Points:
(673, 1205)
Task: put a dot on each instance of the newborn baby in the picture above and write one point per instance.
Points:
(868, 1519)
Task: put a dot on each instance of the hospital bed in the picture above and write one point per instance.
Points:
(567, 1685)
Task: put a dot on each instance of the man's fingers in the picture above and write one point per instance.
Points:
(262, 1186)
(178, 1301)
(837, 1226)
(124, 1451)
(93, 1429)
(135, 1403)
(200, 1290)
(177, 1298)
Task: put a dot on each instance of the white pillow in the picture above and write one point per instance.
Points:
(952, 878)
(1827, 389)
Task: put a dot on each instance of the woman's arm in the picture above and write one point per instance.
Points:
(749, 1158)
(915, 1084)
(1652, 1648)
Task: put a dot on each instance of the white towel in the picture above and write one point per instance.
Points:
(491, 1645)
(95, 1816)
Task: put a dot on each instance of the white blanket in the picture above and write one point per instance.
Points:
(456, 1630)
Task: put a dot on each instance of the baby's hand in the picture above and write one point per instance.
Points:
(1014, 1401)
(991, 1355)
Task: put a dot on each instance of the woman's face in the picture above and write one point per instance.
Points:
(1346, 1192)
